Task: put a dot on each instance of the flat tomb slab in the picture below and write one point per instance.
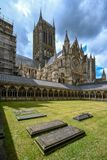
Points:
(83, 116)
(50, 141)
(30, 116)
(21, 112)
(44, 127)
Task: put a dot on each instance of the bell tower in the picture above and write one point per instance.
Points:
(43, 42)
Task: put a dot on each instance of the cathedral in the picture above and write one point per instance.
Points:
(69, 66)
(69, 74)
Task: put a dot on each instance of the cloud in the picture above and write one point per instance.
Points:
(23, 8)
(87, 19)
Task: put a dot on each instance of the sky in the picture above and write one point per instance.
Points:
(84, 19)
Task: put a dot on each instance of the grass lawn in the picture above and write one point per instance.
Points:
(20, 146)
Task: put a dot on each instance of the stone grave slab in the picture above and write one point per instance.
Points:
(3, 155)
(57, 138)
(44, 127)
(30, 116)
(83, 116)
(23, 112)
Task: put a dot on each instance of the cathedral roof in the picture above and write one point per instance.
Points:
(17, 80)
(93, 86)
(52, 59)
(24, 61)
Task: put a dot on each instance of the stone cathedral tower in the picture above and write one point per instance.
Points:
(43, 42)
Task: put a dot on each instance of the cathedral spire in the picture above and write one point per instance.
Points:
(66, 37)
(76, 40)
(66, 45)
(34, 24)
(53, 23)
(40, 17)
(103, 75)
(103, 72)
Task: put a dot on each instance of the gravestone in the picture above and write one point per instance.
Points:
(50, 141)
(30, 116)
(44, 127)
(83, 116)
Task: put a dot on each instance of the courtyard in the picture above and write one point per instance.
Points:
(20, 146)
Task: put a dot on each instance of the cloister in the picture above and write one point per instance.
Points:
(21, 88)
(11, 92)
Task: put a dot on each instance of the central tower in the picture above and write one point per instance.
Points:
(43, 42)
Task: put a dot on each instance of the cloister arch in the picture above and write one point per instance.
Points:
(38, 92)
(98, 94)
(2, 91)
(50, 93)
(12, 91)
(44, 93)
(65, 93)
(86, 94)
(60, 94)
(22, 92)
(69, 94)
(92, 94)
(105, 95)
(55, 93)
(30, 92)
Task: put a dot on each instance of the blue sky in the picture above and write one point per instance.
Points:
(86, 19)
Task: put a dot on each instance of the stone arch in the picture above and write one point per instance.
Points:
(55, 76)
(12, 92)
(72, 94)
(65, 93)
(62, 78)
(55, 93)
(44, 93)
(86, 94)
(60, 93)
(92, 94)
(81, 94)
(98, 94)
(69, 94)
(22, 92)
(105, 95)
(76, 94)
(38, 92)
(50, 93)
(30, 92)
(2, 91)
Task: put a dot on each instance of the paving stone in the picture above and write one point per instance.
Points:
(30, 116)
(3, 155)
(57, 138)
(83, 116)
(44, 127)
